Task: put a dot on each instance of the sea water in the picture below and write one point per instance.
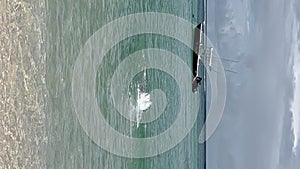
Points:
(41, 125)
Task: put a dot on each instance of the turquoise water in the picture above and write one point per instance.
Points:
(70, 23)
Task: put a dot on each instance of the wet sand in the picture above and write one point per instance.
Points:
(22, 84)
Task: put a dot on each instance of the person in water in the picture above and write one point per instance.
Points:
(196, 82)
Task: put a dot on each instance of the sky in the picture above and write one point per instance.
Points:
(260, 126)
(295, 106)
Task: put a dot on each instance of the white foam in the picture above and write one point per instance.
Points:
(143, 103)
